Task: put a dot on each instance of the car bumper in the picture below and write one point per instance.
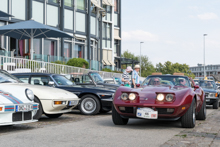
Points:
(211, 100)
(165, 111)
(50, 108)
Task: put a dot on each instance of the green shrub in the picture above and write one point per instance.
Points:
(107, 70)
(59, 62)
(78, 62)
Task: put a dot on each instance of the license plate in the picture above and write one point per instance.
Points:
(72, 103)
(147, 113)
(24, 108)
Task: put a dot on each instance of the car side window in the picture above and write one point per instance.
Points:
(40, 80)
(86, 79)
(24, 79)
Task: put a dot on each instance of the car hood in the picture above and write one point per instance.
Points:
(42, 92)
(209, 90)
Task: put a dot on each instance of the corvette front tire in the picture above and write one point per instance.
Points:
(117, 119)
(188, 120)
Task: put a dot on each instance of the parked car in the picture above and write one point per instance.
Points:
(16, 102)
(113, 80)
(92, 78)
(154, 100)
(211, 92)
(92, 99)
(52, 102)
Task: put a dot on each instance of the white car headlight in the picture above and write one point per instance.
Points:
(124, 96)
(30, 95)
(132, 96)
(169, 97)
(160, 97)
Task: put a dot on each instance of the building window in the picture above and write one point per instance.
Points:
(106, 33)
(50, 48)
(2, 38)
(53, 1)
(68, 24)
(93, 25)
(78, 51)
(68, 3)
(37, 48)
(80, 4)
(80, 22)
(116, 19)
(108, 16)
(52, 15)
(93, 8)
(67, 49)
(4, 6)
(38, 11)
(18, 9)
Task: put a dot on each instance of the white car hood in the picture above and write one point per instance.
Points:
(42, 92)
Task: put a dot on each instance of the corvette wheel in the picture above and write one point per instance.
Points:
(216, 104)
(89, 105)
(117, 119)
(37, 113)
(188, 120)
(202, 113)
(54, 115)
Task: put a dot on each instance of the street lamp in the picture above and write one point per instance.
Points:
(204, 53)
(140, 57)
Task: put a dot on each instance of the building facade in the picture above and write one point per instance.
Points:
(211, 70)
(94, 24)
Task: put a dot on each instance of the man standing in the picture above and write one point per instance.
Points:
(125, 76)
(135, 76)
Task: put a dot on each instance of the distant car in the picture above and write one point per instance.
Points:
(113, 80)
(211, 92)
(92, 99)
(16, 102)
(92, 78)
(155, 99)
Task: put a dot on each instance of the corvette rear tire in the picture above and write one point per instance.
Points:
(54, 115)
(39, 112)
(117, 119)
(188, 120)
(215, 104)
(202, 113)
(89, 105)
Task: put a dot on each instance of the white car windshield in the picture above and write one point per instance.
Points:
(7, 78)
(62, 81)
(97, 78)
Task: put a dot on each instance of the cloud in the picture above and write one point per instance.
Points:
(207, 16)
(139, 35)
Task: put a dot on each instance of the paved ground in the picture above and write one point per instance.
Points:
(79, 130)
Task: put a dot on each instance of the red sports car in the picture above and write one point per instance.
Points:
(162, 97)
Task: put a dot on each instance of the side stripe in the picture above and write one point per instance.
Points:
(16, 99)
(10, 99)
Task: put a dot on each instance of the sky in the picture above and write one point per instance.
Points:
(172, 30)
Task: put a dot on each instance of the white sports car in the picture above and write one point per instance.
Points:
(53, 102)
(17, 106)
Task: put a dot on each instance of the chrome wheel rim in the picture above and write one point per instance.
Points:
(88, 105)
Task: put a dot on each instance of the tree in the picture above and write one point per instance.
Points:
(170, 68)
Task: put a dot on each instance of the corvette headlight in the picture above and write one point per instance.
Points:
(30, 95)
(124, 96)
(169, 97)
(160, 97)
(132, 96)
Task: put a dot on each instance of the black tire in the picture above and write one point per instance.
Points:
(89, 100)
(54, 115)
(216, 104)
(202, 113)
(117, 119)
(37, 116)
(188, 120)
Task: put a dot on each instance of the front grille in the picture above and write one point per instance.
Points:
(27, 115)
(21, 116)
(163, 111)
(127, 110)
(17, 116)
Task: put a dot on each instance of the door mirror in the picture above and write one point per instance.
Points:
(138, 85)
(196, 86)
(51, 83)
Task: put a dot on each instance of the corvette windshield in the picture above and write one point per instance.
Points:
(7, 78)
(97, 78)
(166, 80)
(62, 81)
(207, 84)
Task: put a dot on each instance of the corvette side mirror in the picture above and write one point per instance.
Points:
(138, 85)
(196, 86)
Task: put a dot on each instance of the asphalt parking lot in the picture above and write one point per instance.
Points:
(74, 129)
